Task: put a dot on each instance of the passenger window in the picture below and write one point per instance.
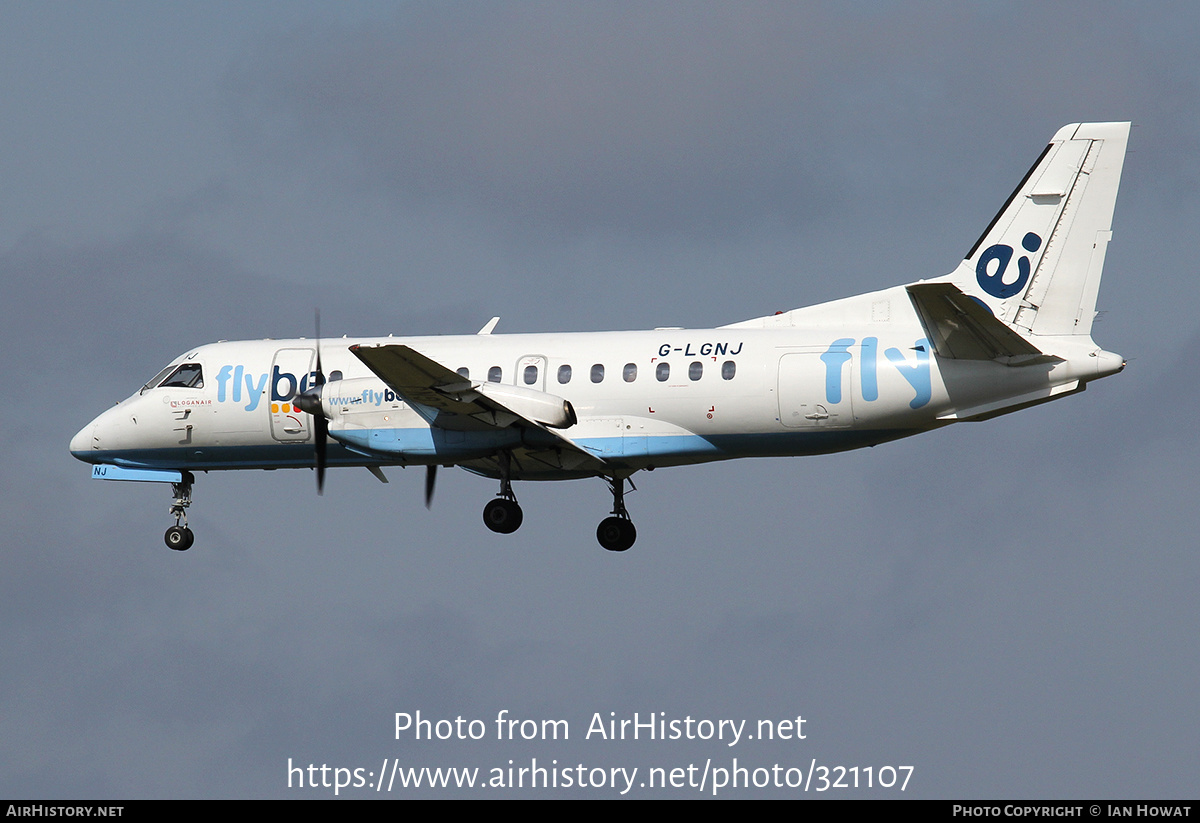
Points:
(597, 373)
(662, 372)
(564, 374)
(728, 370)
(464, 373)
(530, 375)
(187, 376)
(696, 370)
(630, 372)
(335, 375)
(495, 374)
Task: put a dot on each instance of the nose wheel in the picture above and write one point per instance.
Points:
(617, 533)
(179, 537)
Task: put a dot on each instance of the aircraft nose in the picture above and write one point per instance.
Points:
(82, 442)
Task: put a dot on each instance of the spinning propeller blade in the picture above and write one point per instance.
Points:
(310, 401)
(322, 425)
(430, 482)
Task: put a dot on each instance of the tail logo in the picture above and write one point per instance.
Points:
(992, 282)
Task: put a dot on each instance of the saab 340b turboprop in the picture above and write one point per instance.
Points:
(1009, 328)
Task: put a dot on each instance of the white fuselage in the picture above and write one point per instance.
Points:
(828, 378)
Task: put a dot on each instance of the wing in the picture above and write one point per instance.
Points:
(448, 400)
(428, 386)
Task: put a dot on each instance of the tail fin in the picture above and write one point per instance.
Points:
(1037, 265)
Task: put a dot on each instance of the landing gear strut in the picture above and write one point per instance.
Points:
(503, 514)
(179, 537)
(617, 533)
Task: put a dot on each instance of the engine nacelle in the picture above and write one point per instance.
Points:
(340, 397)
(539, 406)
(336, 396)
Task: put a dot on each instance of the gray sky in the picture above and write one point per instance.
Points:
(1009, 607)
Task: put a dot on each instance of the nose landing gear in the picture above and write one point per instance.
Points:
(179, 537)
(617, 533)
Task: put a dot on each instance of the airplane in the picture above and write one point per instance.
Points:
(1009, 328)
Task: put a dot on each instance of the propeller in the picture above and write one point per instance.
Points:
(430, 482)
(310, 401)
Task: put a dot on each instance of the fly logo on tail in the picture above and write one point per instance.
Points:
(992, 281)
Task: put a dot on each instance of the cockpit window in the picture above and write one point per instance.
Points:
(156, 379)
(187, 376)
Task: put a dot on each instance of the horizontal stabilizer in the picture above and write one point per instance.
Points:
(960, 327)
(1007, 405)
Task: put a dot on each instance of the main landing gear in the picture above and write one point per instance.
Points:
(179, 537)
(503, 514)
(617, 533)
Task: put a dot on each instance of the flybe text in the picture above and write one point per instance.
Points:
(236, 385)
(368, 397)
